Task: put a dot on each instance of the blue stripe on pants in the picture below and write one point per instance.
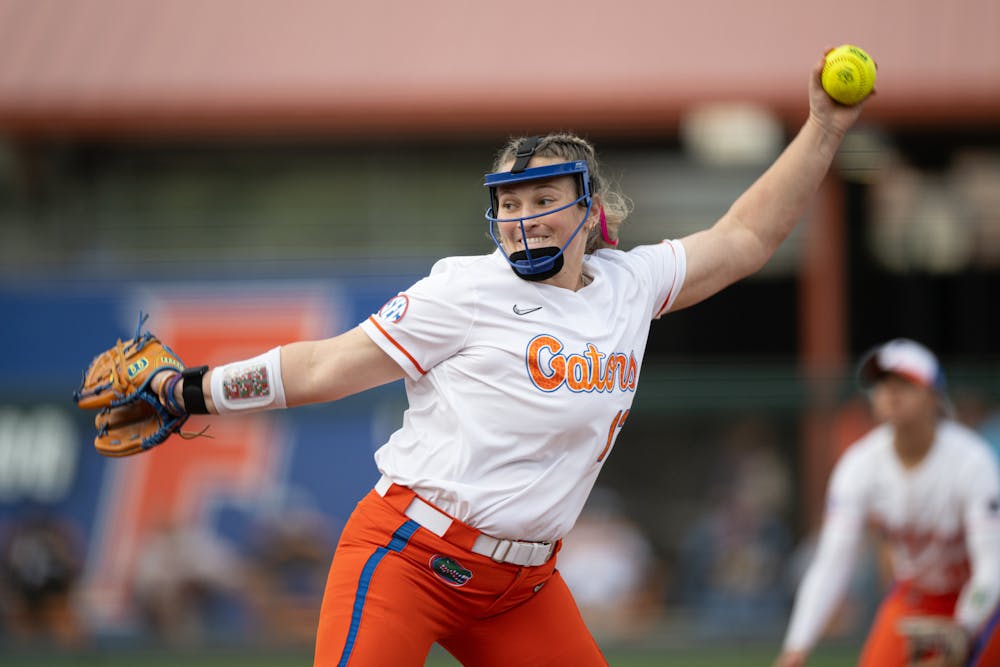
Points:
(397, 543)
(992, 626)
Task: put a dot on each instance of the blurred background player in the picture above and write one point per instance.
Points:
(733, 558)
(611, 569)
(40, 563)
(520, 370)
(930, 488)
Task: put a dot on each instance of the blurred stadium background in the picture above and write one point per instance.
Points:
(253, 171)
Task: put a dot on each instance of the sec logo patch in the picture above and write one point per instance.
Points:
(394, 309)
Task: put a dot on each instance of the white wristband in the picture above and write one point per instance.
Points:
(249, 386)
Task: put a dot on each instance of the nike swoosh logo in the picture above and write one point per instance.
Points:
(525, 311)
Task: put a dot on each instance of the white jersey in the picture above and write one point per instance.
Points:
(517, 390)
(940, 521)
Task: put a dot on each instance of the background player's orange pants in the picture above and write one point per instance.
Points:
(395, 588)
(885, 647)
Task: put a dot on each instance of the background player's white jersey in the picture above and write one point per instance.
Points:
(472, 337)
(922, 512)
(940, 520)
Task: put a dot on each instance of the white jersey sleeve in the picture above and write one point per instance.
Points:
(828, 574)
(980, 595)
(665, 272)
(438, 317)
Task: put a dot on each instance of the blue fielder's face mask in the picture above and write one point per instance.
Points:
(536, 263)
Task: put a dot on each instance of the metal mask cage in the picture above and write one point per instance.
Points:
(500, 178)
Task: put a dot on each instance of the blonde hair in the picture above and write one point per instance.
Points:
(570, 147)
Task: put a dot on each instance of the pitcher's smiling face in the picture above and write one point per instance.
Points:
(519, 200)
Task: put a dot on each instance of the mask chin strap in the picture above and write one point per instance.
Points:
(536, 264)
(533, 268)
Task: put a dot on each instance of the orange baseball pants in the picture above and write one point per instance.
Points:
(395, 589)
(885, 647)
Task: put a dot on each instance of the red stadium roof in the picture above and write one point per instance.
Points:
(390, 66)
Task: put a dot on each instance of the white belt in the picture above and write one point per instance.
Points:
(516, 552)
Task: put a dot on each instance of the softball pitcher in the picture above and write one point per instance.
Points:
(930, 488)
(520, 368)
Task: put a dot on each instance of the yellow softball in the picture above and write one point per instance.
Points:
(848, 74)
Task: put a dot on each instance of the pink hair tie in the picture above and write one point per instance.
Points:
(604, 229)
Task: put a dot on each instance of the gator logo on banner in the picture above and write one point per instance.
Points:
(450, 570)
